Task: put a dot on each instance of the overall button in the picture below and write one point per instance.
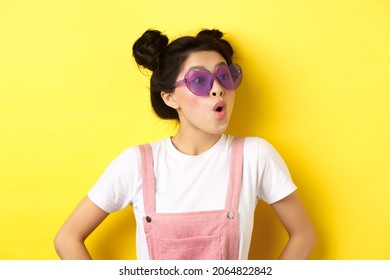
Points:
(230, 215)
(148, 219)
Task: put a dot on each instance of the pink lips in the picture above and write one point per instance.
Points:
(220, 109)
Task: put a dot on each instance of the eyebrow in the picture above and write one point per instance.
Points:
(199, 67)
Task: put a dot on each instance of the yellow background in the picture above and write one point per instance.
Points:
(316, 85)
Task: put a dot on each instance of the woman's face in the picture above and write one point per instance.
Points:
(210, 113)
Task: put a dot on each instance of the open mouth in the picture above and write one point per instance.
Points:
(219, 107)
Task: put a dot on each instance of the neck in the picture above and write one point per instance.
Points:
(194, 143)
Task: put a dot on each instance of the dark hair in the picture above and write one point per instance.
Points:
(153, 52)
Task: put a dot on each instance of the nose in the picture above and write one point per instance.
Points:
(217, 89)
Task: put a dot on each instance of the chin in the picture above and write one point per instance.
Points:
(220, 130)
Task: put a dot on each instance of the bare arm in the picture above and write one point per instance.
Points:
(296, 221)
(69, 242)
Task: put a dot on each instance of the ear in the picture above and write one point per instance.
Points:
(169, 99)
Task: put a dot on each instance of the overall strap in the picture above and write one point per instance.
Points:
(235, 174)
(148, 185)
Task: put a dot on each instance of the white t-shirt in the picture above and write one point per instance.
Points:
(194, 183)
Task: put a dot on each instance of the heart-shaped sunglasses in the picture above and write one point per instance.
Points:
(200, 82)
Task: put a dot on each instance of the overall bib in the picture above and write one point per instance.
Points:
(201, 235)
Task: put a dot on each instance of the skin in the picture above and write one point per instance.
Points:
(200, 128)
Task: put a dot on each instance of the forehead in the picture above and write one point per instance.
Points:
(203, 59)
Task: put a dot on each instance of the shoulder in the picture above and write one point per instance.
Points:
(257, 142)
(262, 152)
(160, 144)
(126, 158)
(133, 152)
(129, 158)
(259, 147)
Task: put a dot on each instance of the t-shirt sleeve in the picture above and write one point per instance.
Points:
(275, 181)
(114, 189)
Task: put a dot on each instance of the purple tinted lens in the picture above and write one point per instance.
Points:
(236, 73)
(229, 77)
(225, 78)
(199, 82)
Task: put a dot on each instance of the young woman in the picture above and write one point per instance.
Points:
(193, 194)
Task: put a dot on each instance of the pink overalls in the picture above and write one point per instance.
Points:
(202, 235)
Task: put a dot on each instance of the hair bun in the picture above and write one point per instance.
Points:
(147, 48)
(216, 35)
(207, 33)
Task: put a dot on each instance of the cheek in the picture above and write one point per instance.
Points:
(230, 99)
(233, 97)
(190, 100)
